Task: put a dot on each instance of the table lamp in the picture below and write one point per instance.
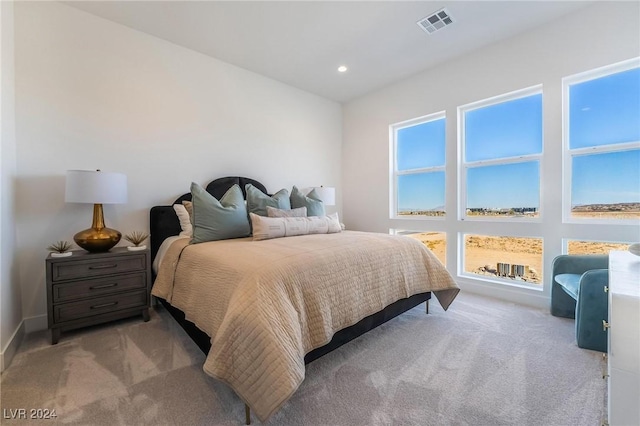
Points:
(97, 188)
(327, 194)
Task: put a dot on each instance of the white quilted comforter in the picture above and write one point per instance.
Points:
(265, 304)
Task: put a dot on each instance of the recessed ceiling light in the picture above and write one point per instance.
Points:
(342, 68)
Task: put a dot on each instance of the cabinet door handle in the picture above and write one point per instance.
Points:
(104, 305)
(605, 325)
(606, 289)
(112, 265)
(96, 287)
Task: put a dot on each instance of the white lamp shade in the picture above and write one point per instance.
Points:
(327, 194)
(95, 187)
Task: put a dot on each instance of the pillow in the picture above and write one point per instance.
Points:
(311, 201)
(334, 223)
(185, 221)
(299, 212)
(265, 228)
(218, 220)
(257, 201)
(189, 206)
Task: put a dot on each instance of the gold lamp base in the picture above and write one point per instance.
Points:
(98, 238)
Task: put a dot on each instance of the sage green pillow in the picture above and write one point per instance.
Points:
(218, 220)
(257, 201)
(313, 203)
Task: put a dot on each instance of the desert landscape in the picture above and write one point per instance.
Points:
(435, 241)
(607, 211)
(483, 253)
(605, 215)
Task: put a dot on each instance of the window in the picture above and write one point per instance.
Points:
(418, 176)
(507, 258)
(435, 241)
(602, 144)
(501, 149)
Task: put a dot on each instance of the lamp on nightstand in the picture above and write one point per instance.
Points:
(97, 188)
(327, 194)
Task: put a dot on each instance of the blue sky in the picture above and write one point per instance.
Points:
(602, 111)
(606, 178)
(422, 145)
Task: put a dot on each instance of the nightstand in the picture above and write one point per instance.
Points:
(92, 288)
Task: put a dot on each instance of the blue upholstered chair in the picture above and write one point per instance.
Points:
(578, 292)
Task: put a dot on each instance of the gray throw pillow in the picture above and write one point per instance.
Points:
(218, 220)
(257, 201)
(313, 203)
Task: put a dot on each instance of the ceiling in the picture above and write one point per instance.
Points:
(302, 43)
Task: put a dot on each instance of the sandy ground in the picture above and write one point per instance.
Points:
(591, 247)
(606, 215)
(482, 253)
(435, 241)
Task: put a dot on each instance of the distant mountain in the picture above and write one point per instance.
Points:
(615, 207)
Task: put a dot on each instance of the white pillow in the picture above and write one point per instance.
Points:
(185, 222)
(334, 224)
(274, 212)
(265, 228)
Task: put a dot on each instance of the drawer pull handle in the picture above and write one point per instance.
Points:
(113, 265)
(96, 287)
(605, 325)
(104, 305)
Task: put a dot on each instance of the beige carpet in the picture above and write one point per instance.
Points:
(484, 362)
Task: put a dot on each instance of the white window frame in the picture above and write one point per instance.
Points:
(464, 166)
(393, 166)
(568, 154)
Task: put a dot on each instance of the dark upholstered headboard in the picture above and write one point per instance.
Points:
(163, 221)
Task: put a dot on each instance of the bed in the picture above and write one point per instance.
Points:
(272, 306)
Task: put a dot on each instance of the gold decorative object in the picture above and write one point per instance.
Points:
(97, 188)
(98, 238)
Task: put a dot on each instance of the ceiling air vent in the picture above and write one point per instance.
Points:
(435, 21)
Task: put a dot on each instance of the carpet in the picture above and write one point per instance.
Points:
(483, 362)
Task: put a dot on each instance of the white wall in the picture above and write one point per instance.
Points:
(93, 94)
(599, 35)
(11, 329)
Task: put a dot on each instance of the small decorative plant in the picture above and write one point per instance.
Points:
(60, 249)
(136, 238)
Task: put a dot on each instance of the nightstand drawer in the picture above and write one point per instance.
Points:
(87, 308)
(96, 267)
(98, 286)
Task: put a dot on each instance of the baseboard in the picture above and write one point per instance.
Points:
(528, 297)
(9, 351)
(36, 323)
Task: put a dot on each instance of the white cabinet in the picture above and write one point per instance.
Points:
(624, 339)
